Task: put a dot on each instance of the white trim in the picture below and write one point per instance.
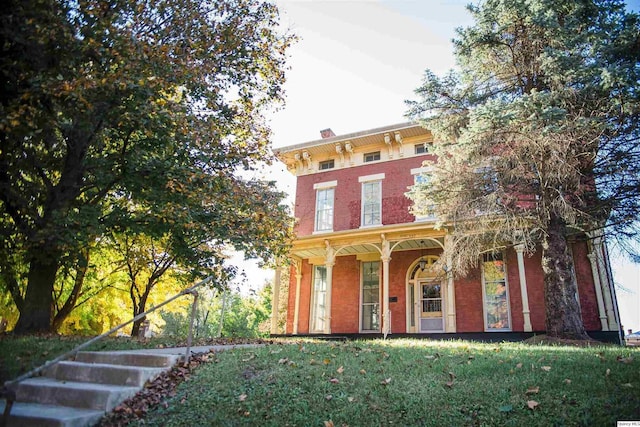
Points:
(374, 177)
(423, 169)
(360, 312)
(379, 197)
(326, 184)
(484, 296)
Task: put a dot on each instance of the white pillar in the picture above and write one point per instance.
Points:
(330, 259)
(606, 286)
(296, 311)
(450, 321)
(275, 299)
(386, 313)
(598, 286)
(526, 313)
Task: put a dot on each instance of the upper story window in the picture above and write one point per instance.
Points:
(421, 148)
(422, 176)
(495, 292)
(324, 205)
(327, 164)
(371, 212)
(371, 157)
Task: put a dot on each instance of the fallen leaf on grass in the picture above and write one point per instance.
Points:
(567, 381)
(449, 384)
(628, 385)
(532, 390)
(607, 373)
(625, 360)
(519, 365)
(328, 424)
(351, 399)
(283, 361)
(546, 368)
(328, 397)
(363, 372)
(314, 362)
(385, 381)
(452, 376)
(326, 361)
(252, 356)
(532, 404)
(334, 381)
(340, 370)
(242, 397)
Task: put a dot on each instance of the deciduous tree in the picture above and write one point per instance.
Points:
(109, 104)
(537, 136)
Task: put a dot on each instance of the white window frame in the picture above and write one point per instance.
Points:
(372, 153)
(417, 172)
(320, 188)
(367, 331)
(484, 297)
(313, 328)
(364, 181)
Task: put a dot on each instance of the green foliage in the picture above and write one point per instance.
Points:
(408, 382)
(536, 137)
(134, 117)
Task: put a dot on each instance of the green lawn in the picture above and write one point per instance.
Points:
(409, 382)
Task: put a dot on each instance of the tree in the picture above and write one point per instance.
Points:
(537, 136)
(111, 104)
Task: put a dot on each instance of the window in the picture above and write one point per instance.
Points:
(421, 177)
(370, 296)
(421, 148)
(371, 157)
(495, 292)
(324, 209)
(319, 296)
(327, 164)
(371, 203)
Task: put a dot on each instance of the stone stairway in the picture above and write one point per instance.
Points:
(78, 393)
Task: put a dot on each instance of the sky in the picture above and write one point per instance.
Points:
(355, 65)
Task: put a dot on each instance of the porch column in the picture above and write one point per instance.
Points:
(526, 313)
(296, 311)
(385, 256)
(598, 286)
(450, 324)
(330, 259)
(606, 286)
(275, 299)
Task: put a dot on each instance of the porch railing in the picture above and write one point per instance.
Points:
(8, 390)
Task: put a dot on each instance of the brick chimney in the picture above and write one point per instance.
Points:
(327, 133)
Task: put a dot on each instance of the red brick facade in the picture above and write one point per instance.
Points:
(404, 239)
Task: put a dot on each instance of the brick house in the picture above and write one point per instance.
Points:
(363, 264)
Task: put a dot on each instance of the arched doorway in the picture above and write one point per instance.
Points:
(425, 297)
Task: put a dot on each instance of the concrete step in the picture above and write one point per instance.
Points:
(48, 391)
(33, 414)
(102, 373)
(128, 358)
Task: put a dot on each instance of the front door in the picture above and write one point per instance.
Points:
(430, 314)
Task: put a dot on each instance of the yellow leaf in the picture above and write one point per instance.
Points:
(340, 370)
(363, 372)
(532, 390)
(532, 404)
(326, 361)
(328, 424)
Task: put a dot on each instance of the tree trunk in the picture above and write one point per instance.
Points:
(68, 306)
(37, 309)
(563, 317)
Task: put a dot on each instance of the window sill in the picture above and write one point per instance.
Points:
(323, 232)
(370, 226)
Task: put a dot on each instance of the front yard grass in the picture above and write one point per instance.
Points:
(407, 383)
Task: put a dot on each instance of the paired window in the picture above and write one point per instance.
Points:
(327, 164)
(370, 296)
(371, 157)
(495, 292)
(319, 299)
(325, 192)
